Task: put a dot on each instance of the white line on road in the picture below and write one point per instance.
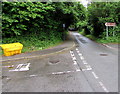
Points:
(75, 63)
(78, 70)
(22, 67)
(57, 72)
(84, 69)
(69, 71)
(71, 52)
(104, 88)
(72, 55)
(84, 62)
(33, 75)
(76, 49)
(80, 54)
(74, 58)
(109, 46)
(96, 77)
(90, 68)
(65, 72)
(82, 58)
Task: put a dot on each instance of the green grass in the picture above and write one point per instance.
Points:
(104, 40)
(91, 37)
(33, 42)
(39, 45)
(110, 39)
(82, 33)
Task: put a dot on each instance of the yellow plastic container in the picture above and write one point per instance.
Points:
(12, 49)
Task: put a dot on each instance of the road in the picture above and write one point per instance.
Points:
(89, 67)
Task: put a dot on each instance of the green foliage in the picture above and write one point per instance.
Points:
(79, 16)
(91, 37)
(98, 13)
(101, 12)
(35, 42)
(83, 33)
(38, 25)
(110, 39)
(20, 18)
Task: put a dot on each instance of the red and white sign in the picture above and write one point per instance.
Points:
(110, 24)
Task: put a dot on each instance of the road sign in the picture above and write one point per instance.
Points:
(110, 24)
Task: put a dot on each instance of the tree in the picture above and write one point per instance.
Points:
(101, 12)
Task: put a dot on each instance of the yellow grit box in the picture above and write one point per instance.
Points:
(12, 48)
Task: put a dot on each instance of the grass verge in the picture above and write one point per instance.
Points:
(110, 39)
(33, 42)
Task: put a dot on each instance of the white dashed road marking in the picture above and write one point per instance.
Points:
(95, 75)
(80, 54)
(64, 72)
(104, 88)
(57, 72)
(90, 68)
(72, 55)
(33, 75)
(76, 49)
(78, 70)
(84, 62)
(74, 58)
(71, 52)
(84, 69)
(109, 46)
(82, 58)
(75, 61)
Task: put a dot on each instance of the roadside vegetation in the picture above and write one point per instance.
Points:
(38, 25)
(98, 13)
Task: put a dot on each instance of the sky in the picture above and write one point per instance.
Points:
(84, 2)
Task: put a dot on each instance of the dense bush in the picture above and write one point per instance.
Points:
(38, 25)
(101, 12)
(20, 18)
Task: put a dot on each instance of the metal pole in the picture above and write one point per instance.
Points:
(113, 31)
(64, 32)
(107, 32)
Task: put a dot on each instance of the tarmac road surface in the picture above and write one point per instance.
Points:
(88, 67)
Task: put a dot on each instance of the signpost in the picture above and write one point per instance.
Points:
(63, 25)
(109, 24)
(63, 32)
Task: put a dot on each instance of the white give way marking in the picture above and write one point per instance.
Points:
(22, 67)
(88, 67)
